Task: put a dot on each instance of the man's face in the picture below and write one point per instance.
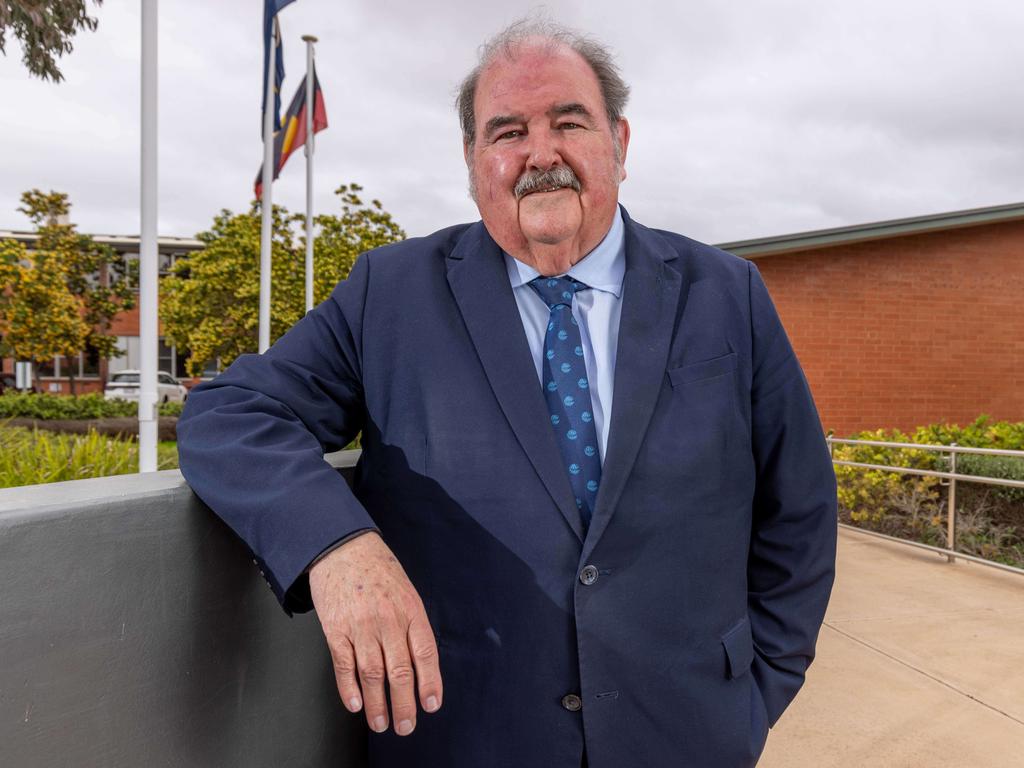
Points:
(542, 111)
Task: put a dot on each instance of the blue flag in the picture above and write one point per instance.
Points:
(270, 10)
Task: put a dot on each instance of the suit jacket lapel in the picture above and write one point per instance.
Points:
(651, 295)
(479, 282)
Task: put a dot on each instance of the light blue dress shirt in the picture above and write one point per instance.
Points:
(597, 311)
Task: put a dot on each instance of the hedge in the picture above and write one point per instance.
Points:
(990, 519)
(36, 405)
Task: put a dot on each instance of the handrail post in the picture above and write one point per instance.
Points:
(951, 512)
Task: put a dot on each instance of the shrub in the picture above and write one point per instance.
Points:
(980, 433)
(33, 456)
(1003, 467)
(866, 495)
(990, 519)
(32, 405)
(170, 409)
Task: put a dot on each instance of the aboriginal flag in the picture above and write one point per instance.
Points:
(293, 131)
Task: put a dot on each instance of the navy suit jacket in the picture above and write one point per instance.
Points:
(713, 536)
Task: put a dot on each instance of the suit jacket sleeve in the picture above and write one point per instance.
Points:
(793, 540)
(251, 442)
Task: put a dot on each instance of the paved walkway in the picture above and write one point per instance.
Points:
(920, 663)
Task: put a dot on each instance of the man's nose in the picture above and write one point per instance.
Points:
(543, 148)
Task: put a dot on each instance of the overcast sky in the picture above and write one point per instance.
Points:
(748, 118)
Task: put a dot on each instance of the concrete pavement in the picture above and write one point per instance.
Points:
(919, 663)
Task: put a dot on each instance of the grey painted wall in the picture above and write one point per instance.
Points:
(135, 631)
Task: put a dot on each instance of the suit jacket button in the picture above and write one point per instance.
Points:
(588, 575)
(572, 702)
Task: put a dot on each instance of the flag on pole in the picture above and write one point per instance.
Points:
(272, 36)
(293, 131)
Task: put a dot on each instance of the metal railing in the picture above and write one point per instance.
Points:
(952, 476)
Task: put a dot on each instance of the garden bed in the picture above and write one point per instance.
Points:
(113, 426)
(989, 519)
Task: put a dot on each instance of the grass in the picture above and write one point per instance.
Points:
(35, 456)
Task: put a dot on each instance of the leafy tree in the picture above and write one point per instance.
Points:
(45, 29)
(210, 303)
(39, 319)
(62, 296)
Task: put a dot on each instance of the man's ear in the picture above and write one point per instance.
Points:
(622, 131)
(465, 153)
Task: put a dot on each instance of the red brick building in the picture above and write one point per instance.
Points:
(896, 323)
(905, 322)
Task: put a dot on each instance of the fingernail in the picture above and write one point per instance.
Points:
(405, 727)
(380, 724)
(354, 703)
(432, 704)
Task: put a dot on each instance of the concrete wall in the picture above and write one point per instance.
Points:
(135, 631)
(910, 330)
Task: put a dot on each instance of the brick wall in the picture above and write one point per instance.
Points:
(909, 330)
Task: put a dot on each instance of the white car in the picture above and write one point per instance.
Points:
(124, 385)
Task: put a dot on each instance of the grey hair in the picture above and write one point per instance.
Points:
(552, 35)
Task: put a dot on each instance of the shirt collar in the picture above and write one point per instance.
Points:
(602, 269)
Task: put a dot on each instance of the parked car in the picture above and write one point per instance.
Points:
(124, 385)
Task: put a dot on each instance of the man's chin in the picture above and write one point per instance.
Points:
(550, 217)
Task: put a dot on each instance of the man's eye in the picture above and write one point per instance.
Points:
(569, 125)
(509, 134)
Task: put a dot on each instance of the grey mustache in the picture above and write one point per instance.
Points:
(558, 177)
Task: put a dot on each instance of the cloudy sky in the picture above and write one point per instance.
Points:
(748, 118)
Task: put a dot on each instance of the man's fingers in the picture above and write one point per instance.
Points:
(423, 650)
(378, 632)
(344, 659)
(370, 663)
(401, 678)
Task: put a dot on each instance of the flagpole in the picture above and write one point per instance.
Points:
(267, 205)
(148, 255)
(310, 133)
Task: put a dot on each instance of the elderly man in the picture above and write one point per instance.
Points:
(594, 496)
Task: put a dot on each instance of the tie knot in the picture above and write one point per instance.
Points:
(557, 291)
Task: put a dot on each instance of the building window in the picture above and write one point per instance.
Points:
(211, 369)
(84, 365)
(128, 258)
(90, 363)
(167, 262)
(164, 356)
(172, 360)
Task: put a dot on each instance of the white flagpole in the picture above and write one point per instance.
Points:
(310, 133)
(267, 204)
(148, 251)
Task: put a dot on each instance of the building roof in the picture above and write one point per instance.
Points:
(751, 249)
(825, 238)
(118, 242)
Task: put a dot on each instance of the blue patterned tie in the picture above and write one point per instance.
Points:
(567, 391)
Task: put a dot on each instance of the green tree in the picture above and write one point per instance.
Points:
(45, 29)
(210, 303)
(39, 319)
(61, 296)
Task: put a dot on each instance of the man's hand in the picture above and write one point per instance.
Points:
(377, 630)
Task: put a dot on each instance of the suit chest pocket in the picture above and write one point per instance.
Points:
(702, 370)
